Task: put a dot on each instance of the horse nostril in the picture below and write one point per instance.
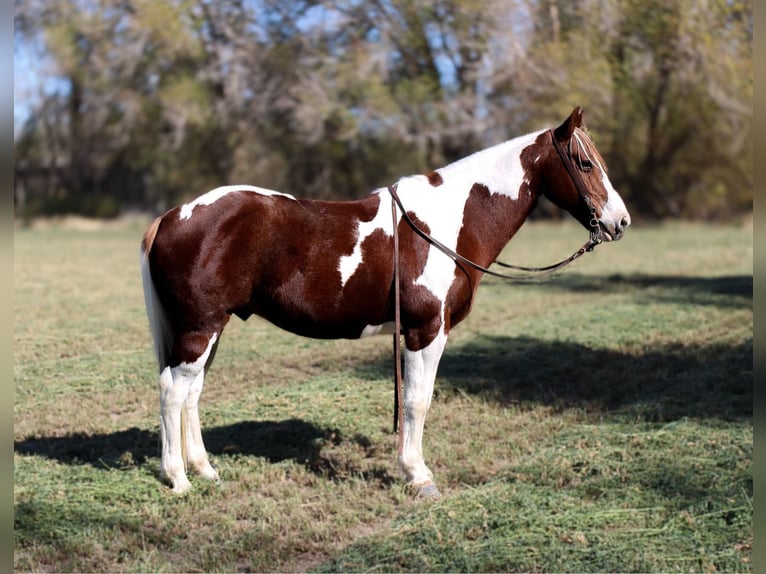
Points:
(624, 222)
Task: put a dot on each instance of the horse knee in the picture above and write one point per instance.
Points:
(417, 406)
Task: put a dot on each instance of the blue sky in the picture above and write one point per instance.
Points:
(24, 83)
(31, 79)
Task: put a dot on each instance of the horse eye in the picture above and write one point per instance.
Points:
(586, 165)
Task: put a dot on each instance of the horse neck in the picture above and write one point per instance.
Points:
(503, 185)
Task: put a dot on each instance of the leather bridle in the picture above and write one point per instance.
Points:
(596, 237)
(596, 233)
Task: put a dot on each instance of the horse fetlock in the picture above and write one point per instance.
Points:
(206, 471)
(177, 480)
(415, 472)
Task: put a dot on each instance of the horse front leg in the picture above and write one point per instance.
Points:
(419, 377)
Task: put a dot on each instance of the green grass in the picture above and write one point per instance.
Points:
(600, 420)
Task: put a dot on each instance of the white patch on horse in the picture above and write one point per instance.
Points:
(214, 195)
(383, 329)
(614, 210)
(348, 264)
(498, 167)
(441, 208)
(195, 366)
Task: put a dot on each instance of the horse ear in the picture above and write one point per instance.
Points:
(565, 130)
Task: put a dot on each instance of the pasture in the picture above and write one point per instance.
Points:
(598, 420)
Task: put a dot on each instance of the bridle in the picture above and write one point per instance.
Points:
(596, 234)
(596, 237)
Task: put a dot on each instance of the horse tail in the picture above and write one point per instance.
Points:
(158, 320)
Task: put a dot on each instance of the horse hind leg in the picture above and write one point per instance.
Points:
(180, 435)
(196, 454)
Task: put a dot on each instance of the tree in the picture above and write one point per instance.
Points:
(329, 99)
(668, 83)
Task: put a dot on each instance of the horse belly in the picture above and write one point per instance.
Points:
(307, 289)
(318, 306)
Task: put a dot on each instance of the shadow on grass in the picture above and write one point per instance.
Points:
(322, 450)
(725, 291)
(662, 384)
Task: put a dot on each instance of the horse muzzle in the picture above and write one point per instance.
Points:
(613, 231)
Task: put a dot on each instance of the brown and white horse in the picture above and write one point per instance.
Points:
(324, 269)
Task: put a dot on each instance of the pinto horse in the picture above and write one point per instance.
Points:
(325, 269)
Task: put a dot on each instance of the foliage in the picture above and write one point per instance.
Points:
(161, 100)
(599, 420)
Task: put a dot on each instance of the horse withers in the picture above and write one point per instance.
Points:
(324, 269)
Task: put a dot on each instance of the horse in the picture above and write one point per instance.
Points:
(324, 269)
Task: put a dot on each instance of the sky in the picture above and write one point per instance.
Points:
(32, 77)
(24, 84)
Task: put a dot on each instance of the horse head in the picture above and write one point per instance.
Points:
(576, 180)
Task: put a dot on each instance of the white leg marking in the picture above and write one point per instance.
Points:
(214, 195)
(175, 385)
(171, 462)
(196, 453)
(419, 376)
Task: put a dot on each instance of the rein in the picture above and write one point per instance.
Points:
(398, 391)
(594, 239)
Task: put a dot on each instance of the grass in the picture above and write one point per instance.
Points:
(600, 420)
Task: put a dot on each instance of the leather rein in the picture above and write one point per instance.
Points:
(595, 238)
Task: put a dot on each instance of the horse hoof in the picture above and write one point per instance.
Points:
(210, 474)
(428, 492)
(182, 487)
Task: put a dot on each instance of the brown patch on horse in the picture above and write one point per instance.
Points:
(489, 222)
(421, 309)
(492, 216)
(478, 188)
(208, 267)
(597, 192)
(435, 178)
(557, 178)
